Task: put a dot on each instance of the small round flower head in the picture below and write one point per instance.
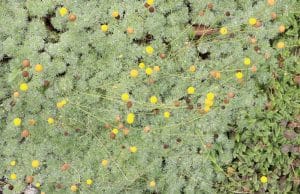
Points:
(190, 90)
(280, 45)
(134, 73)
(167, 114)
(13, 176)
(38, 68)
(35, 163)
(239, 75)
(61, 103)
(50, 120)
(130, 118)
(23, 87)
(149, 50)
(149, 71)
(156, 68)
(38, 185)
(271, 2)
(104, 28)
(63, 11)
(263, 179)
(215, 74)
(206, 108)
(208, 102)
(17, 122)
(192, 68)
(125, 97)
(89, 181)
(133, 149)
(223, 31)
(150, 2)
(152, 184)
(247, 61)
(74, 188)
(281, 28)
(31, 122)
(153, 100)
(16, 94)
(210, 96)
(13, 163)
(115, 14)
(115, 131)
(252, 21)
(104, 162)
(142, 65)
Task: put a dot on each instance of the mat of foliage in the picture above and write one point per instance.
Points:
(150, 96)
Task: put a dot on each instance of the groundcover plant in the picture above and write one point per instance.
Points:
(134, 96)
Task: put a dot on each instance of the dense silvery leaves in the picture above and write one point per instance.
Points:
(149, 96)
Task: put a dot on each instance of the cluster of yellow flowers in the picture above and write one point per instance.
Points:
(209, 101)
(148, 71)
(61, 103)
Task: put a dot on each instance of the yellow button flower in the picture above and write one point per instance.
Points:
(192, 68)
(152, 184)
(271, 2)
(190, 90)
(223, 31)
(149, 50)
(206, 108)
(215, 74)
(35, 163)
(23, 87)
(142, 65)
(63, 11)
(104, 163)
(252, 21)
(17, 122)
(125, 97)
(16, 94)
(281, 28)
(13, 176)
(13, 163)
(208, 102)
(150, 2)
(210, 96)
(149, 71)
(280, 45)
(133, 149)
(247, 61)
(38, 185)
(104, 28)
(130, 118)
(89, 181)
(134, 73)
(263, 179)
(50, 120)
(115, 131)
(239, 75)
(64, 101)
(167, 114)
(74, 188)
(61, 103)
(115, 14)
(38, 68)
(31, 122)
(153, 99)
(156, 68)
